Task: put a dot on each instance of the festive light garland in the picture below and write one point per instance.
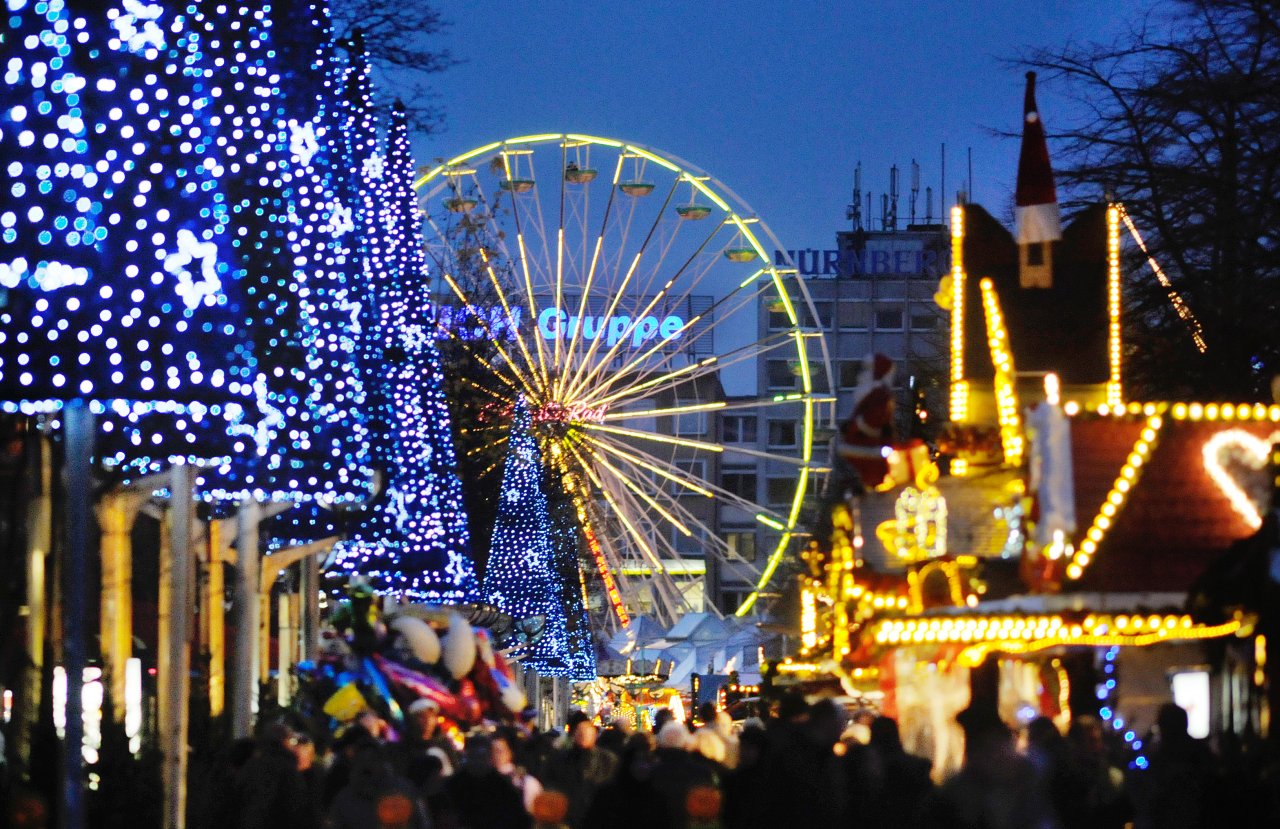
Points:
(1011, 438)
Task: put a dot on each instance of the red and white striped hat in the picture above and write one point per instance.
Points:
(1036, 198)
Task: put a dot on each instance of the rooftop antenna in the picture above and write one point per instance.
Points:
(868, 213)
(915, 188)
(854, 211)
(971, 172)
(891, 216)
(928, 205)
(884, 211)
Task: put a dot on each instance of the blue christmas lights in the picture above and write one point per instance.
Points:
(416, 543)
(521, 578)
(234, 198)
(115, 249)
(1106, 694)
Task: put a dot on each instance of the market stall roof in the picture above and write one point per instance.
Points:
(641, 630)
(700, 627)
(1201, 486)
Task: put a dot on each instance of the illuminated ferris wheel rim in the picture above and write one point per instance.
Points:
(563, 401)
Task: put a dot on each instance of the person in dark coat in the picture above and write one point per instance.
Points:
(746, 786)
(480, 796)
(1090, 791)
(336, 778)
(899, 783)
(1177, 786)
(807, 785)
(371, 787)
(270, 790)
(631, 801)
(677, 770)
(996, 788)
(580, 770)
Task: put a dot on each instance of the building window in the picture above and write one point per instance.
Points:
(739, 481)
(780, 491)
(688, 545)
(853, 316)
(778, 320)
(891, 290)
(888, 318)
(779, 374)
(1035, 254)
(823, 309)
(849, 371)
(741, 543)
(782, 433)
(692, 469)
(923, 321)
(738, 428)
(691, 424)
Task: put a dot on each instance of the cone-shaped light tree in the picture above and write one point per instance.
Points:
(521, 577)
(416, 543)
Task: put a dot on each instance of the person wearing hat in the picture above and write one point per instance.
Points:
(579, 770)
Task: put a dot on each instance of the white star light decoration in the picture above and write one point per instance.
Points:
(413, 337)
(302, 142)
(264, 431)
(374, 166)
(458, 568)
(193, 292)
(340, 220)
(137, 27)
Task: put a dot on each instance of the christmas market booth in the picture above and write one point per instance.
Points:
(1068, 553)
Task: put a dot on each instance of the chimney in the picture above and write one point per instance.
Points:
(1038, 220)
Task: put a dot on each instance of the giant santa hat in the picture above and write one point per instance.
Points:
(1037, 199)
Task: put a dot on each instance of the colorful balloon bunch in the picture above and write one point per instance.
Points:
(382, 661)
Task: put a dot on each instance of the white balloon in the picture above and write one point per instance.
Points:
(459, 647)
(422, 640)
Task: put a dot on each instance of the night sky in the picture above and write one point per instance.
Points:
(777, 99)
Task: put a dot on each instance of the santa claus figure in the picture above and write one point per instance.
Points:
(864, 439)
(860, 449)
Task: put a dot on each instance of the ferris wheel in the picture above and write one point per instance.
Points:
(635, 303)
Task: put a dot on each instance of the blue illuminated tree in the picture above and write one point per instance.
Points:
(566, 537)
(245, 128)
(521, 577)
(116, 253)
(417, 543)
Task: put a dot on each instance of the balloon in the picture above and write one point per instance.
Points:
(422, 640)
(469, 701)
(379, 683)
(422, 686)
(484, 647)
(459, 647)
(346, 704)
(509, 693)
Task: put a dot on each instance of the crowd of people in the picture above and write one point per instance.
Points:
(801, 765)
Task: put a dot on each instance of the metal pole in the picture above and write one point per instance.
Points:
(78, 426)
(244, 678)
(115, 517)
(175, 679)
(214, 620)
(310, 567)
(39, 523)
